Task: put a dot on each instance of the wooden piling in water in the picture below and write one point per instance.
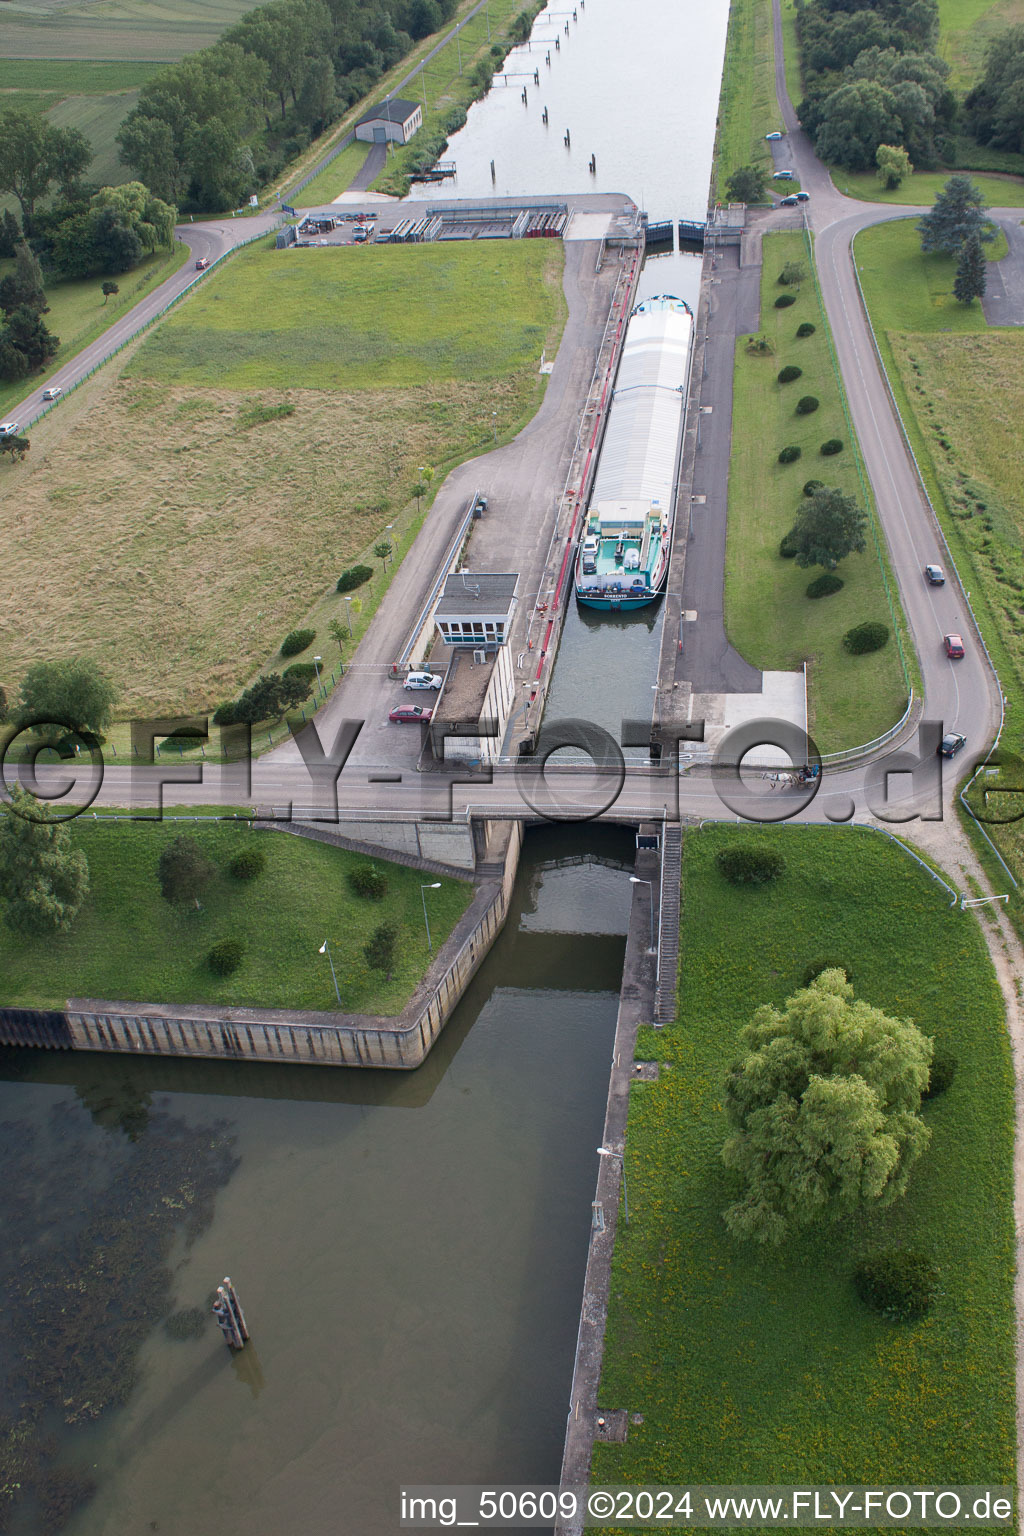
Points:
(227, 1309)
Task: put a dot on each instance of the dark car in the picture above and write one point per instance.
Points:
(951, 743)
(803, 197)
(410, 714)
(954, 646)
(936, 575)
(789, 202)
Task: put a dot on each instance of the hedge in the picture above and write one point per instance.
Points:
(825, 584)
(789, 455)
(864, 638)
(353, 577)
(298, 640)
(807, 405)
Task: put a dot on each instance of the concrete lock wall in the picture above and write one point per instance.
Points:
(251, 1034)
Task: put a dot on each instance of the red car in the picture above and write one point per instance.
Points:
(410, 714)
(954, 646)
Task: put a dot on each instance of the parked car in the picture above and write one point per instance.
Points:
(771, 137)
(409, 714)
(54, 392)
(9, 428)
(954, 646)
(803, 197)
(951, 743)
(359, 235)
(423, 680)
(936, 575)
(783, 175)
(789, 202)
(202, 263)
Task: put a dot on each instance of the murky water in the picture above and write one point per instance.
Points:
(409, 1248)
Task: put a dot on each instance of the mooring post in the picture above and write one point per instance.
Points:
(227, 1309)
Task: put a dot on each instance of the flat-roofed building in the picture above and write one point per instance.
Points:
(477, 608)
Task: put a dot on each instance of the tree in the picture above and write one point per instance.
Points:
(338, 633)
(23, 286)
(957, 214)
(183, 871)
(994, 109)
(74, 694)
(854, 120)
(270, 696)
(34, 154)
(16, 446)
(149, 217)
(893, 165)
(25, 335)
(829, 526)
(109, 289)
(379, 949)
(971, 272)
(43, 879)
(746, 185)
(824, 1109)
(10, 234)
(793, 273)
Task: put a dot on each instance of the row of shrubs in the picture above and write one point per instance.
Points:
(829, 448)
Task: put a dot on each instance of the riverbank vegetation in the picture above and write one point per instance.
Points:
(131, 944)
(769, 616)
(211, 532)
(960, 389)
(756, 1367)
(747, 108)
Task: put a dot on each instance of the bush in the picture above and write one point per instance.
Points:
(225, 957)
(367, 880)
(943, 1071)
(224, 714)
(297, 641)
(825, 584)
(354, 577)
(787, 545)
(789, 373)
(304, 669)
(811, 487)
(789, 455)
(807, 405)
(784, 300)
(814, 970)
(805, 328)
(864, 638)
(747, 865)
(833, 445)
(901, 1286)
(248, 864)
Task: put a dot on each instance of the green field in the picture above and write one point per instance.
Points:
(361, 318)
(115, 30)
(769, 619)
(965, 29)
(74, 77)
(960, 389)
(334, 178)
(747, 108)
(128, 944)
(255, 462)
(752, 1367)
(923, 187)
(78, 313)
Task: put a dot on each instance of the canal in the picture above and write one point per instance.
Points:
(410, 1249)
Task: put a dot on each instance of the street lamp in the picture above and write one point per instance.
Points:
(348, 615)
(620, 1157)
(325, 950)
(316, 667)
(494, 424)
(635, 880)
(435, 886)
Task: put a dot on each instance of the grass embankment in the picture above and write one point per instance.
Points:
(922, 188)
(768, 616)
(960, 390)
(765, 1368)
(747, 108)
(217, 523)
(447, 82)
(79, 314)
(334, 178)
(129, 944)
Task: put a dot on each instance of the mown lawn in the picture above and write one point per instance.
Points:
(960, 389)
(766, 1368)
(129, 944)
(362, 317)
(923, 187)
(78, 312)
(333, 179)
(966, 26)
(747, 108)
(769, 618)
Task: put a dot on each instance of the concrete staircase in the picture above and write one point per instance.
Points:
(668, 922)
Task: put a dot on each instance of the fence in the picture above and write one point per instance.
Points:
(69, 389)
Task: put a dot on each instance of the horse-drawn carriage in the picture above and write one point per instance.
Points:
(793, 778)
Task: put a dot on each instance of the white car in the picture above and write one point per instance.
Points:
(771, 137)
(9, 428)
(423, 680)
(783, 175)
(53, 393)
